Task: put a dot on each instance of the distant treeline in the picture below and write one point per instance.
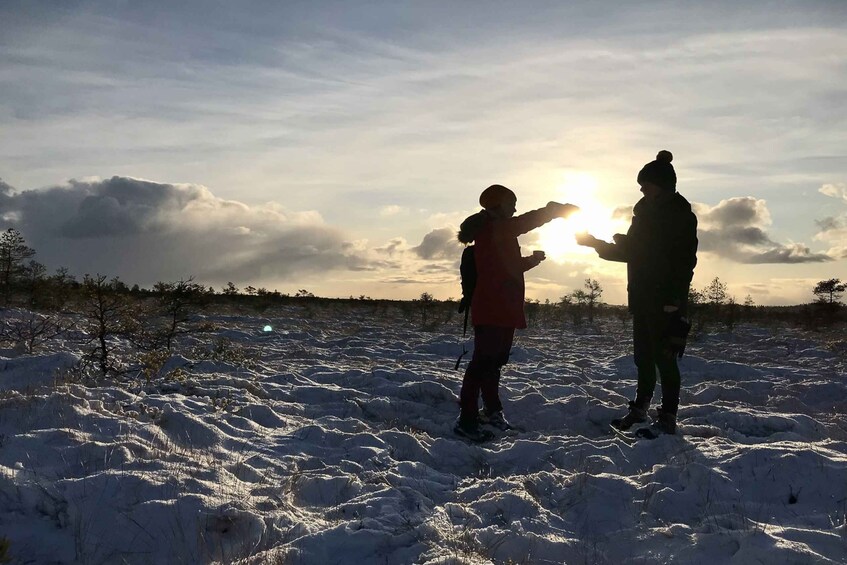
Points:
(106, 316)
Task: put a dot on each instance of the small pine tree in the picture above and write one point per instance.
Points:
(230, 289)
(565, 304)
(730, 315)
(177, 301)
(748, 310)
(580, 301)
(425, 303)
(716, 292)
(593, 292)
(61, 286)
(107, 313)
(13, 253)
(696, 315)
(829, 291)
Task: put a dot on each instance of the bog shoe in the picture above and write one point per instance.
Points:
(472, 431)
(636, 415)
(495, 419)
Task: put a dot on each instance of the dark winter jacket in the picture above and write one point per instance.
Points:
(660, 250)
(498, 299)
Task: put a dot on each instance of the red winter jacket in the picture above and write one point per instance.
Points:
(498, 299)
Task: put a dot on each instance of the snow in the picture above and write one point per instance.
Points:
(329, 440)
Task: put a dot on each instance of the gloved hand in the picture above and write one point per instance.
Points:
(539, 255)
(588, 240)
(676, 332)
(562, 210)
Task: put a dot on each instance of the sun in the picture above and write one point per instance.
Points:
(557, 238)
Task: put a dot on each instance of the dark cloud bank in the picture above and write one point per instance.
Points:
(147, 231)
(735, 229)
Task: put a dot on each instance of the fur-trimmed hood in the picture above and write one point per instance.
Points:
(472, 225)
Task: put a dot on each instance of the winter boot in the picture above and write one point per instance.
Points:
(665, 421)
(636, 415)
(495, 419)
(469, 429)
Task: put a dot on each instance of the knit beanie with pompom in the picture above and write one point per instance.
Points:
(660, 172)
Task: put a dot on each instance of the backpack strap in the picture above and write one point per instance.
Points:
(464, 333)
(459, 360)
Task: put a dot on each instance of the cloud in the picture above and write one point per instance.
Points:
(392, 210)
(440, 243)
(6, 195)
(396, 246)
(735, 229)
(833, 229)
(125, 206)
(792, 253)
(144, 231)
(831, 223)
(837, 190)
(622, 213)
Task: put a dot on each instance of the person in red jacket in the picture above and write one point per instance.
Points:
(497, 306)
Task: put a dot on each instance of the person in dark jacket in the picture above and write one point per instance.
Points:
(497, 306)
(660, 250)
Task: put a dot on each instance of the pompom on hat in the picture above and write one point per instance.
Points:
(659, 172)
(496, 195)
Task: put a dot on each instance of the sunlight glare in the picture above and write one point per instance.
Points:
(557, 238)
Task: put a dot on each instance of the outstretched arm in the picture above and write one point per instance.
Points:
(617, 251)
(536, 218)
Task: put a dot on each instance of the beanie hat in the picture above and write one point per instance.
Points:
(495, 195)
(660, 172)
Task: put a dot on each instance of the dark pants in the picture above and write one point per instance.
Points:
(490, 352)
(651, 351)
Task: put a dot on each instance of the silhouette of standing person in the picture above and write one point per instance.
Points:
(497, 305)
(660, 250)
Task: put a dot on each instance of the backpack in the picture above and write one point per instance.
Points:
(467, 271)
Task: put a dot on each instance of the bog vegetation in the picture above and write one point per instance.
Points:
(131, 332)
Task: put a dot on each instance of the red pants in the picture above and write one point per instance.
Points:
(491, 346)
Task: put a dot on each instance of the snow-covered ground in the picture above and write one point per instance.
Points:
(329, 440)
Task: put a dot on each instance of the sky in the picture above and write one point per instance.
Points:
(337, 146)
